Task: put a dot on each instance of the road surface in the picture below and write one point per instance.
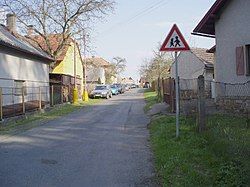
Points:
(102, 145)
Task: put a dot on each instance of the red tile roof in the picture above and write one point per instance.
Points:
(54, 40)
(98, 61)
(21, 43)
(203, 55)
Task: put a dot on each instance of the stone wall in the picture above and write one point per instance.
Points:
(234, 105)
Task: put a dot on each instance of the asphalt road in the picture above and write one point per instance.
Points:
(102, 145)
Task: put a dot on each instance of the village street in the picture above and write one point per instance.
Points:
(102, 145)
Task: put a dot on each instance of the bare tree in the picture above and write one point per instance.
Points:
(156, 68)
(116, 68)
(49, 18)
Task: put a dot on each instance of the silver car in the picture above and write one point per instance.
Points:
(103, 91)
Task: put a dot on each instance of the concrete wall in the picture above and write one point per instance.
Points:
(189, 67)
(232, 30)
(17, 66)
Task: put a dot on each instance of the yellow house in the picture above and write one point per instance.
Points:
(68, 69)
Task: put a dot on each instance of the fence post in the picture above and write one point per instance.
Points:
(52, 95)
(201, 104)
(62, 91)
(40, 99)
(1, 104)
(23, 102)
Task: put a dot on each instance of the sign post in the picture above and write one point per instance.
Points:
(175, 42)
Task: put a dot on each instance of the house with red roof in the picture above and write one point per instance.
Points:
(193, 63)
(96, 70)
(67, 71)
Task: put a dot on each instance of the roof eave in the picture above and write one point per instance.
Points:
(27, 52)
(206, 25)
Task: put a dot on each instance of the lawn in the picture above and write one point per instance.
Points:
(218, 157)
(31, 121)
(150, 98)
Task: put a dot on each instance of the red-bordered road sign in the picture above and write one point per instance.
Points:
(174, 41)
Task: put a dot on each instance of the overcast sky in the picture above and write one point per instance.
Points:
(137, 26)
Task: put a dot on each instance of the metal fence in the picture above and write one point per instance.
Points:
(18, 101)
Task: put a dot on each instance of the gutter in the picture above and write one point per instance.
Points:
(204, 35)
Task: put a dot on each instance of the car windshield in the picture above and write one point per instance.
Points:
(113, 86)
(100, 87)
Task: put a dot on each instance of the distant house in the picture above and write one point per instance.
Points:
(228, 22)
(128, 80)
(96, 69)
(193, 63)
(23, 67)
(68, 64)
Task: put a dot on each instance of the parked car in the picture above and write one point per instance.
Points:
(114, 89)
(121, 88)
(127, 87)
(102, 91)
(133, 86)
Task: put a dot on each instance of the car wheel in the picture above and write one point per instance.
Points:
(107, 96)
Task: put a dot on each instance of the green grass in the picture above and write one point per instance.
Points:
(150, 98)
(39, 118)
(218, 157)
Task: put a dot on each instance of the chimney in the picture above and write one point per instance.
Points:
(30, 30)
(11, 22)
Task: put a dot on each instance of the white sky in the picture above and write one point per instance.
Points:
(133, 33)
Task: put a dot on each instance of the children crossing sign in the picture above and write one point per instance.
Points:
(174, 41)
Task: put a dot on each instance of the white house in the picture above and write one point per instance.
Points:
(21, 65)
(228, 22)
(193, 63)
(95, 70)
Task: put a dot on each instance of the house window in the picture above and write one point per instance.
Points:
(19, 85)
(248, 59)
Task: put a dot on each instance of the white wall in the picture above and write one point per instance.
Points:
(93, 73)
(232, 30)
(189, 66)
(18, 67)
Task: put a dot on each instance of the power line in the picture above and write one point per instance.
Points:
(145, 11)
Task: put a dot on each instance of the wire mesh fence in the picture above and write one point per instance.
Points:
(219, 96)
(17, 101)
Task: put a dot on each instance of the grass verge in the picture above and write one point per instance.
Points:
(150, 98)
(218, 157)
(31, 121)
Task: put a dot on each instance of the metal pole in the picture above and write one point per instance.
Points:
(177, 95)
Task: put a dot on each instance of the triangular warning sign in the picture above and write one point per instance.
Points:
(175, 41)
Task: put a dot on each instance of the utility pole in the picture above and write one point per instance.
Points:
(75, 92)
(85, 93)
